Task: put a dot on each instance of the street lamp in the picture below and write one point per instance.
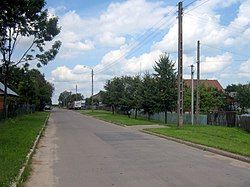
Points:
(92, 81)
(192, 94)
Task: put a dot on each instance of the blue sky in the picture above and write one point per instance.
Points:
(126, 37)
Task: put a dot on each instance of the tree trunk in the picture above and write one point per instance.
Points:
(5, 92)
(166, 116)
(136, 113)
(113, 109)
(148, 116)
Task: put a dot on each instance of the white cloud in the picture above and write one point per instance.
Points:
(121, 22)
(244, 70)
(132, 16)
(215, 63)
(111, 28)
(110, 39)
(81, 46)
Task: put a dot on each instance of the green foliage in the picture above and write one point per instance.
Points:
(64, 98)
(31, 87)
(166, 83)
(27, 18)
(210, 99)
(114, 92)
(16, 138)
(152, 93)
(148, 94)
(67, 97)
(242, 94)
(229, 139)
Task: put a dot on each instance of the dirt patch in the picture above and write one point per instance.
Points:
(44, 158)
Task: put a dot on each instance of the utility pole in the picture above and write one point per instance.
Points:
(197, 85)
(180, 66)
(76, 92)
(92, 75)
(192, 94)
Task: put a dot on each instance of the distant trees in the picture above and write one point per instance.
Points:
(67, 97)
(157, 92)
(242, 95)
(151, 93)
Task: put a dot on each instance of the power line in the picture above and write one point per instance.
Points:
(220, 49)
(135, 47)
(189, 4)
(223, 60)
(197, 6)
(218, 26)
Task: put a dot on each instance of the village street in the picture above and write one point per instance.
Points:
(78, 150)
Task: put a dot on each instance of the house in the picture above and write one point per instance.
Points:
(207, 83)
(9, 92)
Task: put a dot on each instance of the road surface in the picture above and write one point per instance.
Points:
(78, 150)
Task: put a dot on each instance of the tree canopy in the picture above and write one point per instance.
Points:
(26, 20)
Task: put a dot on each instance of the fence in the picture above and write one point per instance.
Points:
(223, 118)
(17, 110)
(171, 117)
(244, 122)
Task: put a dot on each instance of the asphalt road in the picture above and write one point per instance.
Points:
(78, 150)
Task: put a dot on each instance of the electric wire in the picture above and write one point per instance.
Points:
(220, 49)
(137, 45)
(197, 6)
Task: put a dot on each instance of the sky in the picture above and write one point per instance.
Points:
(117, 37)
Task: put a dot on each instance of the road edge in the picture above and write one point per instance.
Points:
(30, 154)
(201, 147)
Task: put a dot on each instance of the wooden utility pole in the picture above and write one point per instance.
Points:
(76, 92)
(180, 66)
(92, 93)
(197, 85)
(192, 94)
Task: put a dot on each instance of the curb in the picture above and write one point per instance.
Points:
(29, 155)
(202, 147)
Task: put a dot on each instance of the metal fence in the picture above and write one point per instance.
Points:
(171, 117)
(18, 110)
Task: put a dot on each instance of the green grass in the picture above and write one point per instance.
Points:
(229, 139)
(16, 138)
(117, 118)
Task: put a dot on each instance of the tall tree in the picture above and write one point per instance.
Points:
(166, 78)
(26, 19)
(64, 98)
(149, 95)
(114, 91)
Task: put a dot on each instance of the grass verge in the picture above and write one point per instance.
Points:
(225, 138)
(16, 138)
(117, 118)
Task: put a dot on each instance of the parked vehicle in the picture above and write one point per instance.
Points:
(47, 107)
(77, 105)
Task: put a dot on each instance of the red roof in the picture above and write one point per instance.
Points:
(207, 83)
